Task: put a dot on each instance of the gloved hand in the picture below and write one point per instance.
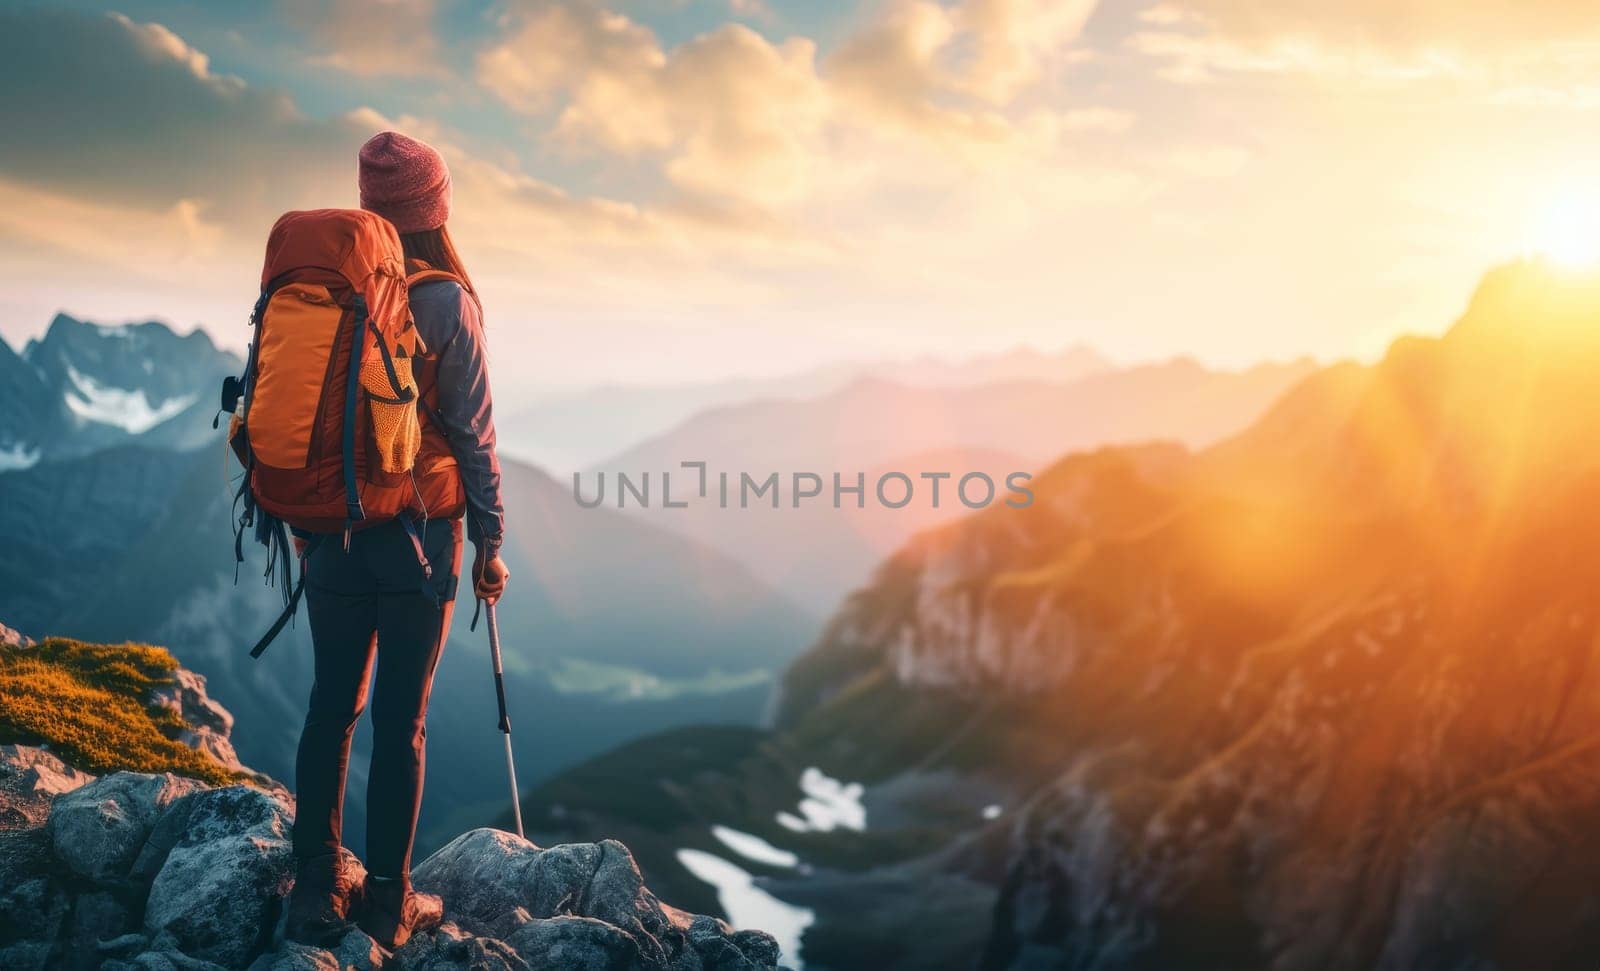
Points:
(489, 576)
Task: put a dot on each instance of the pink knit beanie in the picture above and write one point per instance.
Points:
(404, 181)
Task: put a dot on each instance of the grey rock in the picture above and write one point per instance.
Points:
(451, 947)
(357, 950)
(758, 947)
(163, 961)
(482, 875)
(24, 854)
(559, 877)
(293, 956)
(719, 949)
(96, 916)
(34, 771)
(123, 946)
(495, 883)
(209, 723)
(616, 893)
(186, 697)
(30, 778)
(33, 911)
(98, 829)
(576, 943)
(26, 956)
(507, 924)
(354, 951)
(220, 890)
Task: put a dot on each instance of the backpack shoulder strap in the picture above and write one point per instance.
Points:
(418, 273)
(428, 275)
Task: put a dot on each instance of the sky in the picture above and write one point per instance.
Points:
(682, 190)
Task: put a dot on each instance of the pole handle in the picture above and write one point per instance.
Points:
(499, 670)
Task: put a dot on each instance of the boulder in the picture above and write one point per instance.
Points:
(30, 778)
(96, 916)
(758, 947)
(450, 947)
(31, 917)
(354, 951)
(24, 854)
(293, 956)
(26, 956)
(13, 638)
(123, 946)
(575, 943)
(25, 769)
(616, 895)
(167, 960)
(485, 875)
(220, 889)
(98, 830)
(208, 723)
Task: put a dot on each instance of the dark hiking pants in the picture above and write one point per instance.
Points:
(368, 605)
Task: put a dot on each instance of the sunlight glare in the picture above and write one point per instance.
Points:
(1567, 228)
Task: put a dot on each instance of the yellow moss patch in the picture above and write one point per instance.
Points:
(88, 703)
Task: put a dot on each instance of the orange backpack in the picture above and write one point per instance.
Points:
(325, 416)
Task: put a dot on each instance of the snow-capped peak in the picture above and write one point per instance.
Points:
(130, 411)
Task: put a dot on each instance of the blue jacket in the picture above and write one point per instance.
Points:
(451, 325)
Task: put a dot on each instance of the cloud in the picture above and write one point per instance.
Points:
(950, 68)
(1491, 42)
(730, 112)
(733, 118)
(129, 115)
(372, 38)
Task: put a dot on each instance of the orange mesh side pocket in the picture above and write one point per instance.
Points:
(396, 433)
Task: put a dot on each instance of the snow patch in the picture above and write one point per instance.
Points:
(754, 848)
(18, 456)
(748, 906)
(128, 410)
(828, 805)
(793, 823)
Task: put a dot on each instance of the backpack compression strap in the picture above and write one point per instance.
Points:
(289, 608)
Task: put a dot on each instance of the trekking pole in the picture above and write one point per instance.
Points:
(505, 719)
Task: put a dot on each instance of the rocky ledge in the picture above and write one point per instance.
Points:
(162, 872)
(159, 872)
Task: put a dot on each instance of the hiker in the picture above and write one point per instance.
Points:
(366, 607)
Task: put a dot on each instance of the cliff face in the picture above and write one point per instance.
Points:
(160, 869)
(1325, 695)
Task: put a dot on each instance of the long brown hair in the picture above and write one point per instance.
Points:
(433, 247)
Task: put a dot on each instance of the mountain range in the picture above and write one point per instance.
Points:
(818, 553)
(570, 430)
(1322, 695)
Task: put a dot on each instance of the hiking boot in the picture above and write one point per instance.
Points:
(327, 893)
(394, 911)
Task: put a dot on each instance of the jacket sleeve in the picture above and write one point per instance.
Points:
(466, 409)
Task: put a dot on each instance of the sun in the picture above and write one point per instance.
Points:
(1566, 229)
